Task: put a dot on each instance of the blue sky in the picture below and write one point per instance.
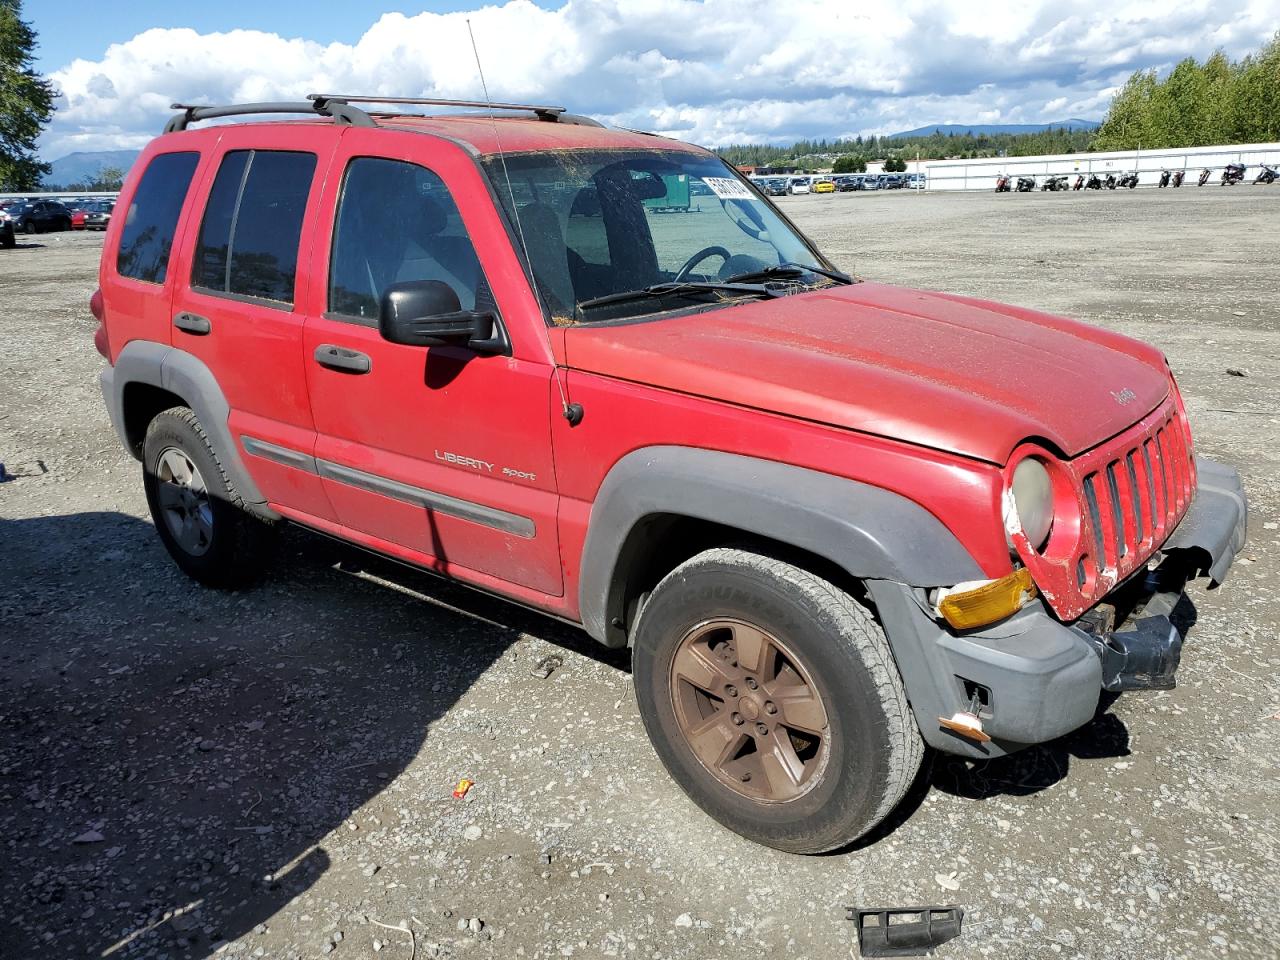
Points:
(85, 28)
(709, 71)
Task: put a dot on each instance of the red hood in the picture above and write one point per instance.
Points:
(967, 376)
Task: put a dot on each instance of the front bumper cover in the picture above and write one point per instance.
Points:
(1216, 526)
(1044, 676)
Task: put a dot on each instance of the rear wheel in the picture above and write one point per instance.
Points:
(196, 510)
(772, 698)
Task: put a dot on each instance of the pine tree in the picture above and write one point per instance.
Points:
(26, 102)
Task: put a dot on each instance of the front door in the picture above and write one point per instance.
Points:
(441, 451)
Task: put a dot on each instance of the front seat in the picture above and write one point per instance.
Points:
(548, 257)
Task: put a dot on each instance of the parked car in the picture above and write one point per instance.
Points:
(823, 186)
(892, 181)
(8, 236)
(917, 181)
(834, 521)
(798, 185)
(40, 216)
(775, 187)
(871, 181)
(849, 182)
(98, 215)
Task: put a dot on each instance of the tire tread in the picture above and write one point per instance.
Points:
(861, 632)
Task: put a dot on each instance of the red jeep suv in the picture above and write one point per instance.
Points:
(597, 373)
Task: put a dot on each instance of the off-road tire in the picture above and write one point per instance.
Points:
(240, 544)
(874, 746)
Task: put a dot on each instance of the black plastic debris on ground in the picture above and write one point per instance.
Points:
(905, 931)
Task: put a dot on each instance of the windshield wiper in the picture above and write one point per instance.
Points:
(675, 288)
(789, 269)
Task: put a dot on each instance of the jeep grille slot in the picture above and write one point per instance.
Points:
(1155, 489)
(1095, 516)
(1117, 519)
(1138, 505)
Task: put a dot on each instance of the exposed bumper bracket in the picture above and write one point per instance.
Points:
(1143, 656)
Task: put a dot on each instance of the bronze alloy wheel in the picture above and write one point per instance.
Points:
(749, 711)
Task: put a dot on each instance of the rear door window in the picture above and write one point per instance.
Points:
(152, 217)
(252, 223)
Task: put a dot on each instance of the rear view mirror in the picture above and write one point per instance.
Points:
(647, 185)
(426, 313)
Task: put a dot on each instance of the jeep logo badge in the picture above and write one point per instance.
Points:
(1124, 396)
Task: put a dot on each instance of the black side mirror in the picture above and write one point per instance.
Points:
(426, 313)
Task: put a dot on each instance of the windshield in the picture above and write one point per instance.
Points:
(602, 223)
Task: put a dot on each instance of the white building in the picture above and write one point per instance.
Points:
(981, 174)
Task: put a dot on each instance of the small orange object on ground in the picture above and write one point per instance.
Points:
(463, 786)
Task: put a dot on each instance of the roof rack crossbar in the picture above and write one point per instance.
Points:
(337, 108)
(542, 111)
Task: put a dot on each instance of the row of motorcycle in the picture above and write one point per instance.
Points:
(1232, 174)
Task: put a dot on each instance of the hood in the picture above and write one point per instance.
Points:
(952, 373)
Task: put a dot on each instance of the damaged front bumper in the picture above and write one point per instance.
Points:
(1032, 678)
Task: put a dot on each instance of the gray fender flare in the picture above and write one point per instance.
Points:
(181, 373)
(870, 532)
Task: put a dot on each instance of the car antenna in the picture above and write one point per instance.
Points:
(571, 411)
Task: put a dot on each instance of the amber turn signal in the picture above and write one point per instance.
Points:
(988, 601)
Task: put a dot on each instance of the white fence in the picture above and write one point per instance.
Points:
(60, 195)
(981, 174)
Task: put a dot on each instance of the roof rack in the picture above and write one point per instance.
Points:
(336, 108)
(339, 107)
(542, 112)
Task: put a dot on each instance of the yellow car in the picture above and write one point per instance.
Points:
(824, 186)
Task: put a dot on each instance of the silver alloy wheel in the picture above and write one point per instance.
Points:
(184, 501)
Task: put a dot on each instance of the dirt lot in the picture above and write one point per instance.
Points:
(268, 774)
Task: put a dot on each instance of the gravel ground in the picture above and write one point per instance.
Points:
(269, 773)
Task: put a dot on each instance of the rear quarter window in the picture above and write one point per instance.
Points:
(149, 224)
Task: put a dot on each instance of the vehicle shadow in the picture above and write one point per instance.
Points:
(172, 758)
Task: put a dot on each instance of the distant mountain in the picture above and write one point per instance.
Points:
(979, 129)
(82, 166)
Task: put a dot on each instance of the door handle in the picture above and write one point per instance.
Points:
(192, 323)
(342, 359)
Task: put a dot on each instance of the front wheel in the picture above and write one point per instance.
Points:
(196, 510)
(773, 700)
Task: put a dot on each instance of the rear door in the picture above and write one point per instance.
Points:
(239, 308)
(135, 276)
(441, 451)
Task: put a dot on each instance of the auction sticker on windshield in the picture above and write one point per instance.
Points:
(726, 188)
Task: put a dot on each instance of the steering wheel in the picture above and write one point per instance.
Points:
(698, 257)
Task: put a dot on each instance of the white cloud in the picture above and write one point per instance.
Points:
(716, 72)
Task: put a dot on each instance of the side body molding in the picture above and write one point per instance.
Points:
(180, 373)
(870, 532)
